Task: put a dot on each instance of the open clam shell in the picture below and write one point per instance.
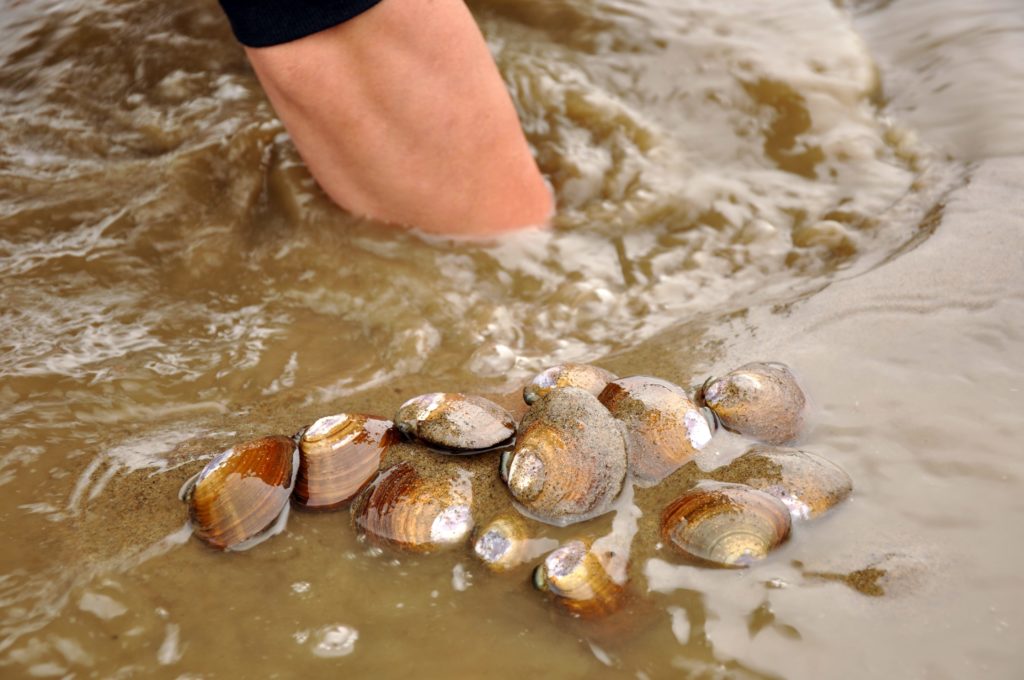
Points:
(664, 429)
(725, 525)
(409, 510)
(458, 423)
(241, 494)
(760, 400)
(584, 376)
(569, 461)
(338, 456)
(808, 484)
(578, 581)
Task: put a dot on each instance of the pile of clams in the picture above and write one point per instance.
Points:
(455, 470)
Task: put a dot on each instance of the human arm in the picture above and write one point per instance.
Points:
(400, 114)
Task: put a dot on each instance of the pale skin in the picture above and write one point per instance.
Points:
(401, 115)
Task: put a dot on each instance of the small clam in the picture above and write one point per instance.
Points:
(241, 494)
(579, 582)
(338, 456)
(569, 461)
(664, 429)
(459, 423)
(505, 543)
(584, 376)
(413, 511)
(759, 400)
(808, 484)
(725, 525)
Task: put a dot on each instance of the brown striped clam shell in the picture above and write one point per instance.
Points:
(338, 456)
(579, 582)
(584, 376)
(457, 423)
(569, 461)
(664, 429)
(725, 525)
(808, 484)
(761, 400)
(414, 511)
(243, 492)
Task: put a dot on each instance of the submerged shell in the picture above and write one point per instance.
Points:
(338, 456)
(584, 376)
(808, 484)
(503, 543)
(726, 525)
(243, 492)
(459, 423)
(664, 429)
(569, 461)
(759, 400)
(579, 582)
(415, 512)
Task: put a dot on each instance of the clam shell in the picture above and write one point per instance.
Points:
(241, 493)
(808, 484)
(503, 543)
(725, 525)
(584, 376)
(409, 510)
(338, 456)
(579, 582)
(569, 461)
(459, 423)
(759, 400)
(664, 429)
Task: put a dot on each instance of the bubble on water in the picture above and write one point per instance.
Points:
(460, 578)
(301, 587)
(335, 641)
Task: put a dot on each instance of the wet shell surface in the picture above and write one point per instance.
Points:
(459, 423)
(664, 429)
(413, 511)
(505, 543)
(578, 581)
(726, 525)
(808, 484)
(759, 400)
(242, 493)
(569, 461)
(584, 376)
(338, 456)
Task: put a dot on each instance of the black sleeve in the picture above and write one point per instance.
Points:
(261, 23)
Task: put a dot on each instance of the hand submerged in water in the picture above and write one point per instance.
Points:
(401, 115)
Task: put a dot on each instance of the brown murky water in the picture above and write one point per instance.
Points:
(836, 187)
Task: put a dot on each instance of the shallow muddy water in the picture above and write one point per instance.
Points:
(839, 186)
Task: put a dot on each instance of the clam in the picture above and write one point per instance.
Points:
(808, 484)
(725, 525)
(759, 400)
(569, 461)
(584, 376)
(459, 423)
(242, 495)
(422, 513)
(578, 581)
(338, 456)
(504, 542)
(664, 429)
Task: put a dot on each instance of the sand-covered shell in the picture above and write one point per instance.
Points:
(569, 461)
(242, 494)
(338, 456)
(505, 543)
(759, 400)
(414, 511)
(458, 423)
(578, 581)
(808, 484)
(584, 376)
(664, 428)
(725, 525)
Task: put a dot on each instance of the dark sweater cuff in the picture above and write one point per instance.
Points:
(261, 23)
